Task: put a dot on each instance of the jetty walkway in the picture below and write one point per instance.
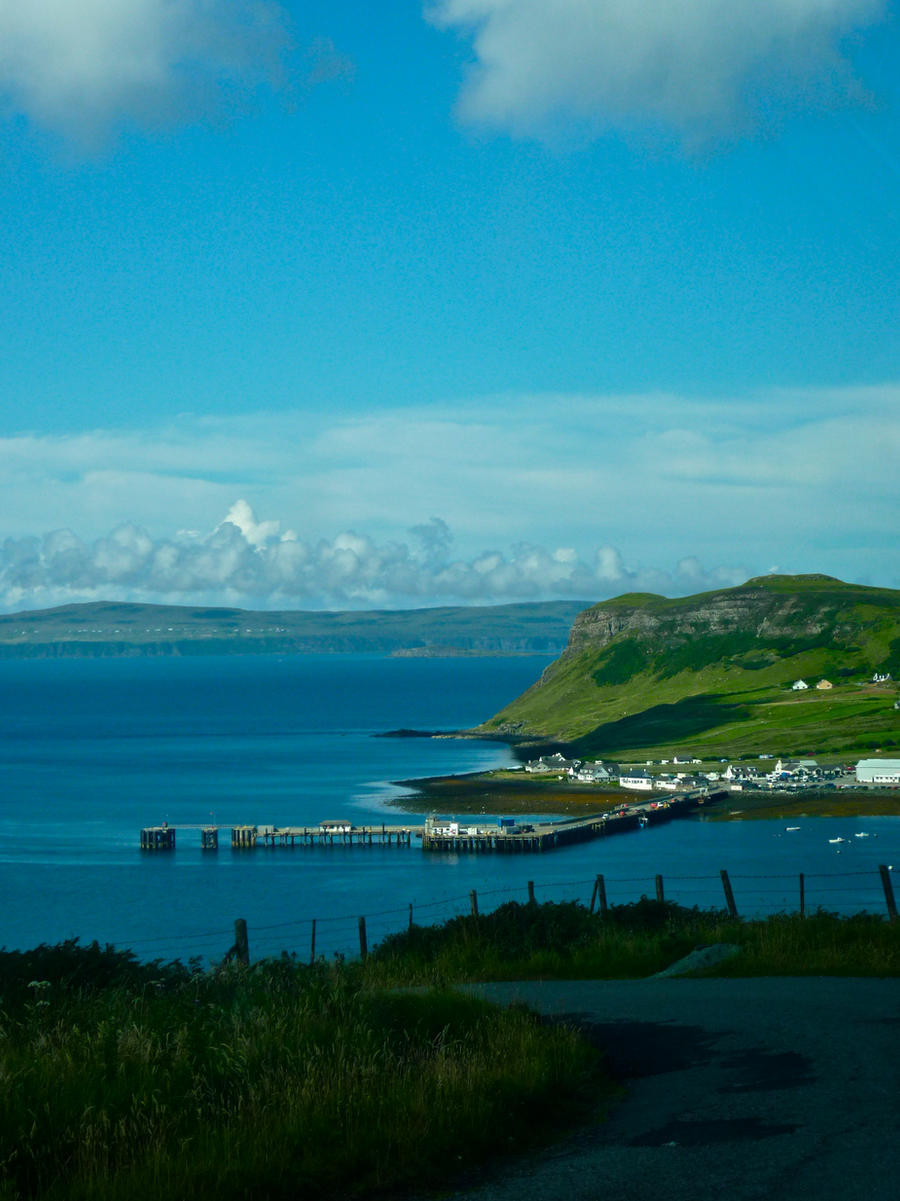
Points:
(440, 834)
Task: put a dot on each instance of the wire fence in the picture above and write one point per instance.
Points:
(353, 934)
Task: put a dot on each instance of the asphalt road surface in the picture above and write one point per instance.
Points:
(770, 1089)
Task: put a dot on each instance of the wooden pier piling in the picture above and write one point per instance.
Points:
(158, 838)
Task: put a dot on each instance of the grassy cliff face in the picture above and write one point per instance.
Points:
(715, 671)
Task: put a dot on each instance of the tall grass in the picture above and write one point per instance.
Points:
(565, 941)
(278, 1081)
(553, 940)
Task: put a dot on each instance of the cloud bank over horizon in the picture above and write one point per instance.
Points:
(254, 564)
(700, 69)
(490, 499)
(84, 71)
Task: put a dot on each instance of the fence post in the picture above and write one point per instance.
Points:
(410, 915)
(473, 902)
(531, 892)
(363, 945)
(802, 895)
(600, 886)
(312, 947)
(241, 942)
(660, 895)
(729, 895)
(888, 887)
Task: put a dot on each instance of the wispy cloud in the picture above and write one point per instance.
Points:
(85, 70)
(497, 498)
(700, 68)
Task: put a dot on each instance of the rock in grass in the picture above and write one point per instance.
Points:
(700, 957)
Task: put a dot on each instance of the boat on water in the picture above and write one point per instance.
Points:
(837, 839)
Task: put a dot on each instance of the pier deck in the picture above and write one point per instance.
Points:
(458, 836)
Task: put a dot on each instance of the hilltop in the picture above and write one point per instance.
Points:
(105, 628)
(714, 671)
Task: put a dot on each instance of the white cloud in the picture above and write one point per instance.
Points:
(256, 533)
(536, 495)
(83, 70)
(252, 563)
(700, 68)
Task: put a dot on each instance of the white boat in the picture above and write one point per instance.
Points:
(792, 827)
(862, 834)
(837, 839)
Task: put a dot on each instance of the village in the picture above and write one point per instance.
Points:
(784, 774)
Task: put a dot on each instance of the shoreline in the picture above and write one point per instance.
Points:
(510, 793)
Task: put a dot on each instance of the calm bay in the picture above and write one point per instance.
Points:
(93, 750)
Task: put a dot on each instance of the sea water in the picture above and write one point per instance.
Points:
(91, 751)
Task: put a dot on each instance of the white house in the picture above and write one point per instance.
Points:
(594, 773)
(799, 685)
(640, 781)
(555, 762)
(795, 767)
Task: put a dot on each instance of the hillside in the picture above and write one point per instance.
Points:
(714, 671)
(113, 628)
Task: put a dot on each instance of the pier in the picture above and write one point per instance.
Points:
(446, 835)
(246, 837)
(325, 834)
(440, 834)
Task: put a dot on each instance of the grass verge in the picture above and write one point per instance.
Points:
(276, 1081)
(566, 942)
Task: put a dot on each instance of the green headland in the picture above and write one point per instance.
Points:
(645, 676)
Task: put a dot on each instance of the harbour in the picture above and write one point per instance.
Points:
(439, 834)
(96, 750)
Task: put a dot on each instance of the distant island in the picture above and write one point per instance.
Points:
(112, 628)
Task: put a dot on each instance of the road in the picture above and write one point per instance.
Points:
(776, 1089)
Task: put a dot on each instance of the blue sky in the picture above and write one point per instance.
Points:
(345, 305)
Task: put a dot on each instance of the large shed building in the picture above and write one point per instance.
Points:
(878, 771)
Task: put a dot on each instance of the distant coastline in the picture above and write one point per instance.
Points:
(107, 629)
